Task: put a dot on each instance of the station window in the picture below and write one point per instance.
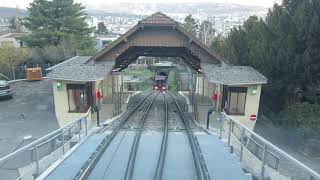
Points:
(78, 97)
(236, 100)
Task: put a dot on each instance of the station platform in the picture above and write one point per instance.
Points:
(178, 164)
(69, 168)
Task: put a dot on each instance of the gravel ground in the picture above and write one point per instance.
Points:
(155, 118)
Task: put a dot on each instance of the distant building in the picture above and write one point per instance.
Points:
(12, 39)
(104, 40)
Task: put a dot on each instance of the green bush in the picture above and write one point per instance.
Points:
(304, 117)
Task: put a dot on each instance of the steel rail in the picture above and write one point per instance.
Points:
(93, 160)
(163, 150)
(134, 148)
(196, 152)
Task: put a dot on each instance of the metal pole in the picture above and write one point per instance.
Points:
(202, 89)
(121, 89)
(62, 137)
(112, 92)
(86, 125)
(37, 161)
(98, 117)
(263, 162)
(208, 117)
(79, 129)
(241, 139)
(221, 125)
(13, 73)
(229, 133)
(210, 111)
(69, 132)
(118, 94)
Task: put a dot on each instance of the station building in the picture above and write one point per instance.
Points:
(83, 82)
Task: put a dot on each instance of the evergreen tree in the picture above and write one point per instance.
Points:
(102, 29)
(191, 25)
(56, 21)
(285, 47)
(15, 25)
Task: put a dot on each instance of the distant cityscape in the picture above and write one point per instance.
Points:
(120, 18)
(222, 16)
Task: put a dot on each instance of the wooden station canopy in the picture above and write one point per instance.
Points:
(157, 35)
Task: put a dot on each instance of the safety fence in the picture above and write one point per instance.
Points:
(33, 159)
(258, 156)
(19, 72)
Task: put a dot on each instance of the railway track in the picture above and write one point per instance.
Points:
(133, 153)
(92, 161)
(162, 156)
(201, 169)
(146, 104)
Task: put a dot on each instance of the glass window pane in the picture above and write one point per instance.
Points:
(233, 102)
(241, 102)
(78, 99)
(236, 102)
(82, 101)
(72, 103)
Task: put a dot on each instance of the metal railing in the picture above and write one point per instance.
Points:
(260, 157)
(31, 160)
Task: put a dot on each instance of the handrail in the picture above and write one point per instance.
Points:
(34, 143)
(314, 173)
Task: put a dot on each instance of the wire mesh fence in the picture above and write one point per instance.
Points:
(20, 72)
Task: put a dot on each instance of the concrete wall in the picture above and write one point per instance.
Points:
(61, 103)
(251, 107)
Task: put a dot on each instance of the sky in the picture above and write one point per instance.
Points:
(96, 3)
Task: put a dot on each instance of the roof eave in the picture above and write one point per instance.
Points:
(76, 80)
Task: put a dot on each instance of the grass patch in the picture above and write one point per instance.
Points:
(138, 73)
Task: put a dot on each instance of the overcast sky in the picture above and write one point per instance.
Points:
(97, 3)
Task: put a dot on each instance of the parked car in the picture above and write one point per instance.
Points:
(5, 89)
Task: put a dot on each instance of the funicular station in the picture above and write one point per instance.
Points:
(202, 131)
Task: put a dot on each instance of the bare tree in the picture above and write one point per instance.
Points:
(207, 32)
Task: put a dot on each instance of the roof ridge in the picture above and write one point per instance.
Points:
(156, 15)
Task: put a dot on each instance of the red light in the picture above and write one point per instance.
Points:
(253, 117)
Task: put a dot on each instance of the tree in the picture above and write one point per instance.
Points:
(191, 25)
(102, 29)
(11, 56)
(15, 25)
(206, 32)
(56, 21)
(284, 47)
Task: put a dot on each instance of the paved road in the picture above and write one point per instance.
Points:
(30, 112)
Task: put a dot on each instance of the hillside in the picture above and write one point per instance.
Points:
(8, 12)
